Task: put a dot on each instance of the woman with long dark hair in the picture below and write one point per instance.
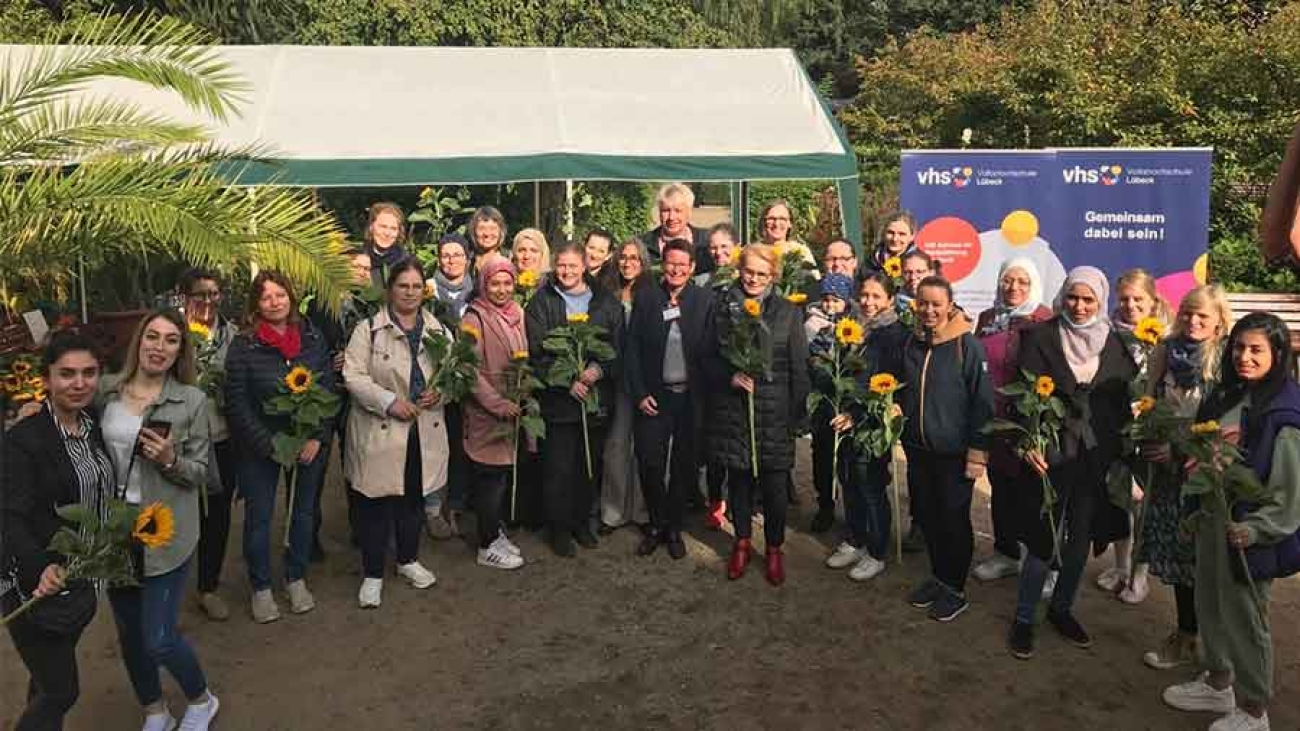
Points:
(621, 500)
(1257, 405)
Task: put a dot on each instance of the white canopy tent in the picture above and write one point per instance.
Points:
(389, 116)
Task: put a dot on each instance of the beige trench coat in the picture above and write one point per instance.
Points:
(376, 369)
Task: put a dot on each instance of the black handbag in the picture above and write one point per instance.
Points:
(65, 613)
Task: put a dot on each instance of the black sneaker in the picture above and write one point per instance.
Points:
(649, 544)
(926, 594)
(822, 521)
(1070, 629)
(949, 606)
(676, 546)
(585, 537)
(1021, 640)
(562, 544)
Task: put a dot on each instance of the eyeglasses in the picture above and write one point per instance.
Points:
(213, 296)
(777, 219)
(451, 255)
(677, 265)
(833, 259)
(754, 274)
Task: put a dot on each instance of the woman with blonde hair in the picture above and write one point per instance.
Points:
(530, 252)
(1181, 371)
(385, 235)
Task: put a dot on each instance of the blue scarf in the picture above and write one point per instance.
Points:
(413, 338)
(1184, 359)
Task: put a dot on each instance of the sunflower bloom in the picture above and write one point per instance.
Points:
(1149, 330)
(12, 382)
(36, 383)
(578, 317)
(471, 331)
(519, 355)
(1145, 404)
(735, 256)
(883, 383)
(155, 526)
(893, 267)
(39, 396)
(1044, 387)
(528, 278)
(429, 291)
(21, 367)
(849, 332)
(298, 380)
(201, 330)
(796, 298)
(752, 308)
(1206, 427)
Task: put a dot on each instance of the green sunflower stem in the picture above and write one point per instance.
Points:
(19, 611)
(514, 471)
(753, 441)
(293, 494)
(586, 442)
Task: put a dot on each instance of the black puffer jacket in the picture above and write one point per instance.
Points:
(255, 373)
(780, 399)
(545, 313)
(947, 394)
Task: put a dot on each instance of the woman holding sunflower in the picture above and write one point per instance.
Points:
(821, 328)
(53, 458)
(757, 411)
(894, 239)
(1181, 370)
(397, 431)
(865, 478)
(276, 341)
(155, 424)
(1078, 358)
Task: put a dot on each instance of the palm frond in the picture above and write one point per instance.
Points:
(66, 131)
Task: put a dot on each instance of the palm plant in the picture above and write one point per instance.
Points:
(85, 178)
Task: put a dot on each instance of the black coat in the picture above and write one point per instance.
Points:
(947, 395)
(699, 237)
(545, 313)
(38, 477)
(780, 399)
(1102, 406)
(647, 336)
(255, 373)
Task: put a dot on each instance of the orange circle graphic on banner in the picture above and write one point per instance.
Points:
(954, 243)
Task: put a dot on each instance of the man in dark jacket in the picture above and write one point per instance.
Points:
(665, 346)
(675, 202)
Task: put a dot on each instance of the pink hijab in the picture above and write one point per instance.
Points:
(1084, 342)
(510, 312)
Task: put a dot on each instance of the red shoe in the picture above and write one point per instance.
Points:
(775, 566)
(739, 560)
(717, 515)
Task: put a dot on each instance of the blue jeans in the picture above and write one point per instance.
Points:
(865, 482)
(258, 480)
(146, 618)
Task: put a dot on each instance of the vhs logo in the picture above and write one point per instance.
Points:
(958, 176)
(1104, 174)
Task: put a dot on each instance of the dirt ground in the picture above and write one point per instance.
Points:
(610, 640)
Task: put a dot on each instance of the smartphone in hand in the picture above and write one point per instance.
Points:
(161, 428)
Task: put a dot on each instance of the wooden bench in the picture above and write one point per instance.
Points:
(1283, 304)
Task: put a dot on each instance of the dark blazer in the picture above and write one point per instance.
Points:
(38, 477)
(699, 236)
(647, 336)
(545, 313)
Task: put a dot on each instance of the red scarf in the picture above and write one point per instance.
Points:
(289, 343)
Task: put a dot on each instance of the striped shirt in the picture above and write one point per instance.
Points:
(94, 470)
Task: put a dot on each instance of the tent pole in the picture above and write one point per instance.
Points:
(850, 196)
(742, 224)
(537, 205)
(568, 209)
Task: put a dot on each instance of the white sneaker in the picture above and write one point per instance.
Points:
(868, 567)
(199, 717)
(1199, 695)
(996, 567)
(844, 556)
(1239, 720)
(371, 593)
(159, 722)
(1112, 579)
(498, 556)
(300, 599)
(417, 575)
(1049, 586)
(507, 543)
(1136, 592)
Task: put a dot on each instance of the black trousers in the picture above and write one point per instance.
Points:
(567, 492)
(491, 494)
(459, 471)
(51, 659)
(941, 497)
(823, 454)
(402, 515)
(772, 484)
(716, 476)
(214, 528)
(1002, 506)
(526, 510)
(674, 423)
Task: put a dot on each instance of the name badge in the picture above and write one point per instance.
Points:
(672, 313)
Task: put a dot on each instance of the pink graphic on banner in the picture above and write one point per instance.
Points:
(954, 243)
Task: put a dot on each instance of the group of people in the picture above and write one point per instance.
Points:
(629, 437)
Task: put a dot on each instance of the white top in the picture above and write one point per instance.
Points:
(121, 431)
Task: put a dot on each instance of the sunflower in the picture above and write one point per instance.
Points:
(201, 330)
(578, 317)
(519, 355)
(1145, 404)
(1044, 386)
(298, 380)
(471, 331)
(849, 332)
(429, 291)
(528, 279)
(1149, 330)
(22, 397)
(893, 267)
(883, 384)
(735, 256)
(21, 367)
(36, 383)
(39, 396)
(154, 526)
(12, 382)
(753, 308)
(796, 298)
(1206, 427)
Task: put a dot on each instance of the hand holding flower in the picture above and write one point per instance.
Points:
(743, 382)
(429, 399)
(841, 423)
(51, 581)
(310, 450)
(1238, 535)
(1035, 459)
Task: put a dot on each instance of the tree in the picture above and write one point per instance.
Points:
(86, 179)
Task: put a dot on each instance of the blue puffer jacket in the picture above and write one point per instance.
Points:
(948, 396)
(255, 373)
